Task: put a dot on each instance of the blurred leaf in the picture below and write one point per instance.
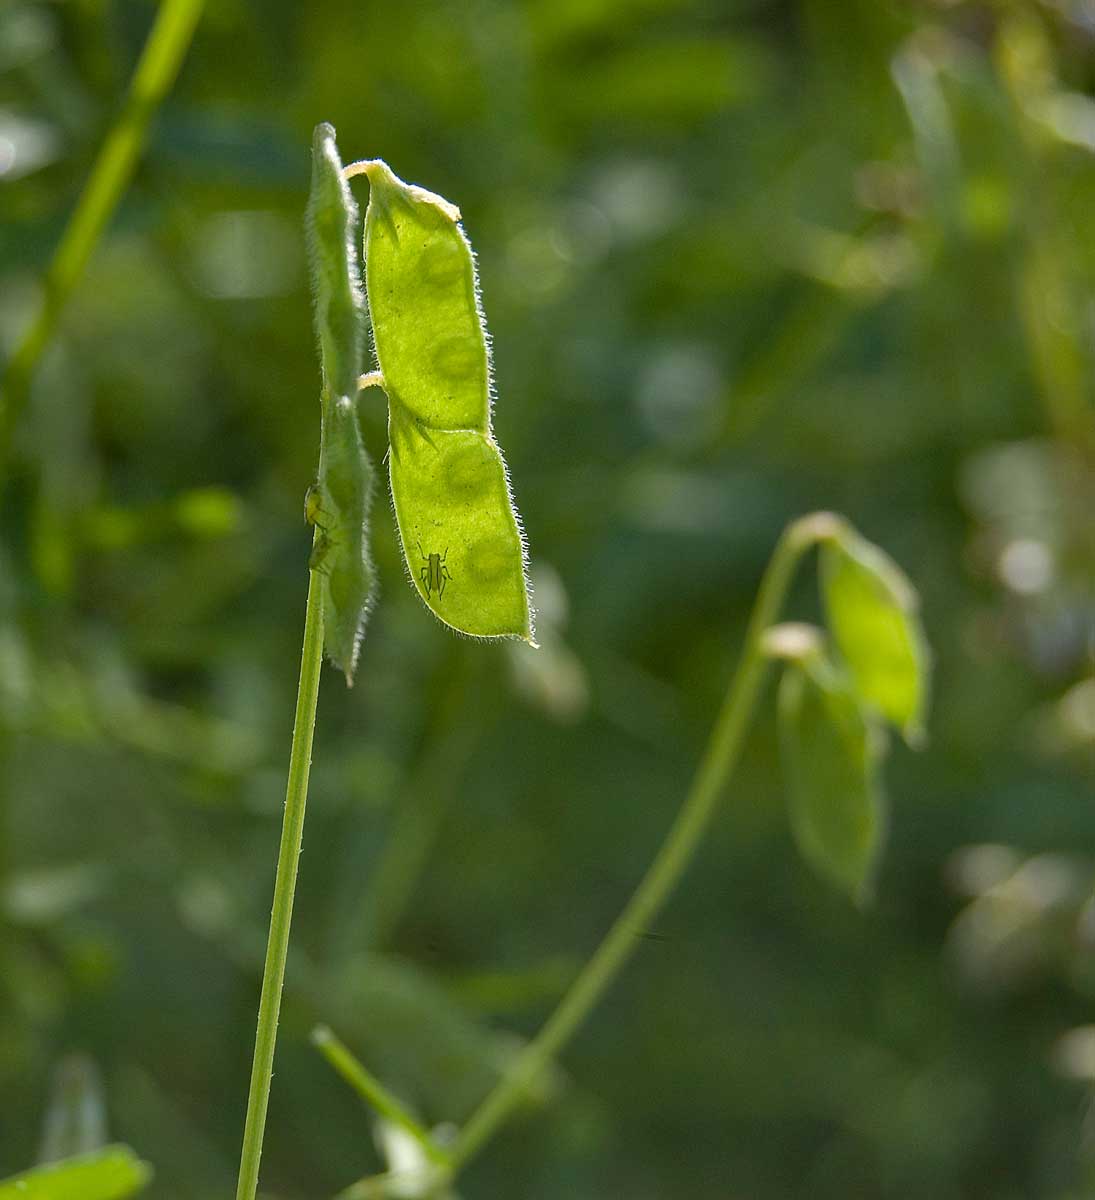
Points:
(411, 1174)
(556, 23)
(175, 1135)
(872, 612)
(915, 70)
(38, 897)
(422, 1042)
(25, 145)
(210, 512)
(26, 32)
(109, 1174)
(665, 82)
(830, 763)
(75, 1121)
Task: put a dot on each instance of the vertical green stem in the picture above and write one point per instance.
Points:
(285, 883)
(159, 64)
(676, 851)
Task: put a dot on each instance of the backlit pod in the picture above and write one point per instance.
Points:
(456, 516)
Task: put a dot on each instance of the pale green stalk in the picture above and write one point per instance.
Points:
(715, 770)
(373, 1092)
(156, 71)
(285, 883)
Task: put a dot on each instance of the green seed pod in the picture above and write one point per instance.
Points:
(830, 755)
(872, 612)
(460, 533)
(339, 505)
(331, 225)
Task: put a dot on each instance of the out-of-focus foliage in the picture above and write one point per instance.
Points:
(109, 1174)
(831, 767)
(871, 607)
(75, 1120)
(740, 260)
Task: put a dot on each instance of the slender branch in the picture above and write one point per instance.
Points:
(155, 73)
(373, 1092)
(277, 948)
(716, 767)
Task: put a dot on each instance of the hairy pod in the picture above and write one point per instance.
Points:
(457, 521)
(340, 503)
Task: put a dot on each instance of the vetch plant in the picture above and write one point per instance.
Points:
(846, 848)
(832, 709)
(466, 557)
(458, 526)
(457, 523)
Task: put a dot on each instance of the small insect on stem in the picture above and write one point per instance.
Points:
(313, 510)
(313, 507)
(435, 574)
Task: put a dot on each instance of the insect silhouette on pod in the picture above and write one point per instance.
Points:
(435, 574)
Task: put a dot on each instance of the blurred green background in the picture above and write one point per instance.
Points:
(740, 259)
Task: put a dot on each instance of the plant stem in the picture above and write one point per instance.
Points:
(716, 767)
(156, 70)
(373, 1092)
(285, 883)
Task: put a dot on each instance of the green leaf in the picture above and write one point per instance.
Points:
(340, 504)
(107, 1174)
(872, 612)
(831, 764)
(458, 526)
